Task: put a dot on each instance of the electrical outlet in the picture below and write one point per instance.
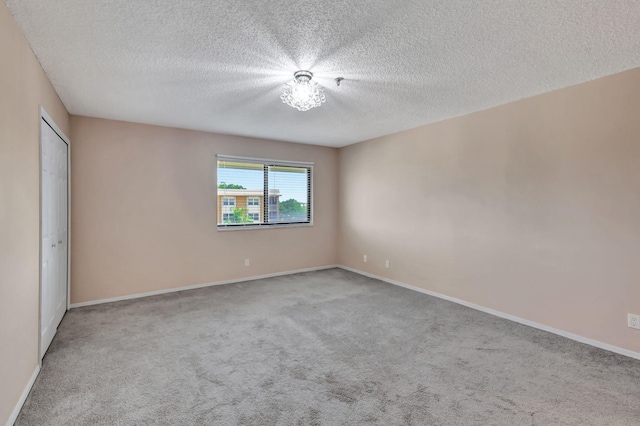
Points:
(633, 321)
(246, 262)
(365, 258)
(386, 264)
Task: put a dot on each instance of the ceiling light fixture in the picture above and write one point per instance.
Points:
(302, 93)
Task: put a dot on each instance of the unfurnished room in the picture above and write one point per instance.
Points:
(320, 212)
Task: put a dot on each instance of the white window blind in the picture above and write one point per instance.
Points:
(266, 192)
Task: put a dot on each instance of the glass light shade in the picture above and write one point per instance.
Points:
(302, 93)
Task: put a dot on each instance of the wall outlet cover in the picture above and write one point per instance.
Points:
(633, 321)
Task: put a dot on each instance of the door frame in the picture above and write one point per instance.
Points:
(44, 116)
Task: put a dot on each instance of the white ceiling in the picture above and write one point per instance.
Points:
(219, 65)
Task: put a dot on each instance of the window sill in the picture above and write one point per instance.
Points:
(261, 227)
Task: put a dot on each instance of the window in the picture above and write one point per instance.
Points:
(286, 186)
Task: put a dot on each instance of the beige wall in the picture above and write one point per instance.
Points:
(531, 208)
(23, 87)
(144, 211)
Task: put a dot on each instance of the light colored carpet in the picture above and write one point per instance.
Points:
(320, 348)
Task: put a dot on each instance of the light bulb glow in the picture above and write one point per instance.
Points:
(302, 93)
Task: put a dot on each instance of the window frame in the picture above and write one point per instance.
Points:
(266, 163)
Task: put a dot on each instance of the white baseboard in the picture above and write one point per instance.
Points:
(513, 318)
(25, 393)
(192, 287)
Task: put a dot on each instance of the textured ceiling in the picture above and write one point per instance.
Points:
(219, 65)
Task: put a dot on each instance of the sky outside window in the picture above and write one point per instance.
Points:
(291, 184)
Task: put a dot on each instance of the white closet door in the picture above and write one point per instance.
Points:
(53, 292)
(61, 229)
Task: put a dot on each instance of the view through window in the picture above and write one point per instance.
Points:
(254, 192)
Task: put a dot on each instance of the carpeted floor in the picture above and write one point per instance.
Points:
(320, 348)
